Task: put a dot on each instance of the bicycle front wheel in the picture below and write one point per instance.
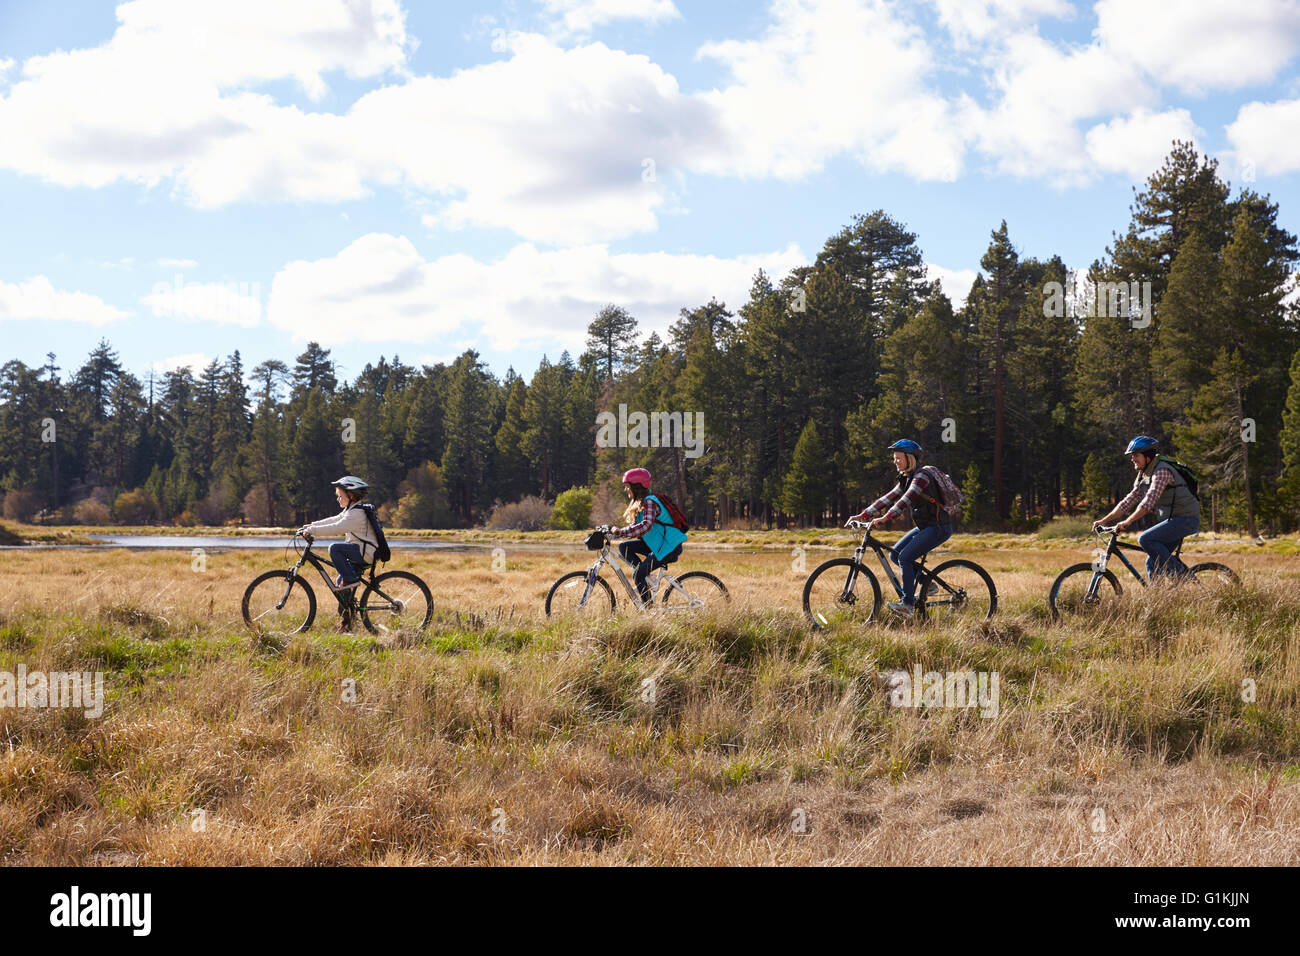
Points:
(396, 601)
(696, 590)
(279, 603)
(958, 589)
(571, 597)
(1081, 589)
(840, 591)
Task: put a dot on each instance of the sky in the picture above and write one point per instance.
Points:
(419, 178)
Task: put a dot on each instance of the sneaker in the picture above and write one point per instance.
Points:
(342, 585)
(898, 607)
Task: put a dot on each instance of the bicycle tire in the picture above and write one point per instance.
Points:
(818, 616)
(1209, 568)
(593, 602)
(945, 597)
(1053, 596)
(254, 620)
(407, 603)
(702, 589)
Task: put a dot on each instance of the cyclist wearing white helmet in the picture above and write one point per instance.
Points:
(1160, 488)
(351, 555)
(915, 489)
(659, 542)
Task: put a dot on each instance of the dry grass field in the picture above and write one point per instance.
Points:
(501, 737)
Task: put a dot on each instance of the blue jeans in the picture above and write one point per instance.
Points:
(1159, 542)
(638, 554)
(346, 556)
(911, 548)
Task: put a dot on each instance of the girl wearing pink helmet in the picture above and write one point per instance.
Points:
(659, 542)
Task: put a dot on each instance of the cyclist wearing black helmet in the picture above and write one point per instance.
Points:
(351, 555)
(916, 489)
(1160, 488)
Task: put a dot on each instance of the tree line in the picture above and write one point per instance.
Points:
(1026, 394)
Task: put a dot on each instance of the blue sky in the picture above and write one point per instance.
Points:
(419, 178)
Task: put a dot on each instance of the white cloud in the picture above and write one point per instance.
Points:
(227, 304)
(194, 361)
(1137, 144)
(1264, 135)
(551, 144)
(36, 298)
(177, 263)
(149, 104)
(956, 282)
(581, 16)
(974, 21)
(827, 78)
(380, 288)
(1201, 45)
(1044, 91)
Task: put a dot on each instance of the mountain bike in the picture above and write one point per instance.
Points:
(283, 602)
(845, 591)
(1083, 587)
(587, 593)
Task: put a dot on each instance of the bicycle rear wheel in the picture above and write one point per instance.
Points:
(840, 591)
(1074, 591)
(396, 601)
(962, 590)
(696, 590)
(279, 603)
(1213, 574)
(570, 597)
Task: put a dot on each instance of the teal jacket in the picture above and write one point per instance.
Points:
(663, 535)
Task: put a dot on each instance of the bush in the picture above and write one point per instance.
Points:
(21, 505)
(185, 519)
(136, 506)
(92, 511)
(572, 510)
(1066, 528)
(528, 514)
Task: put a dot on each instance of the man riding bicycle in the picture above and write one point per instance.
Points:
(1162, 489)
(915, 488)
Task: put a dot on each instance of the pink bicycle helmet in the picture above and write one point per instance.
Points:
(637, 476)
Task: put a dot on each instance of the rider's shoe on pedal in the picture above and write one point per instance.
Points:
(902, 608)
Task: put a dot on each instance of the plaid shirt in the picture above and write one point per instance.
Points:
(915, 494)
(649, 515)
(1160, 479)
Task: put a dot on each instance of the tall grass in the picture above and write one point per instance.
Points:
(736, 737)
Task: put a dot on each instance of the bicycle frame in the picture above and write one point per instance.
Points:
(1116, 547)
(616, 562)
(879, 547)
(307, 556)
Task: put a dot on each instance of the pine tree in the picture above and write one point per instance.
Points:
(1290, 445)
(467, 422)
(1214, 439)
(611, 334)
(805, 488)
